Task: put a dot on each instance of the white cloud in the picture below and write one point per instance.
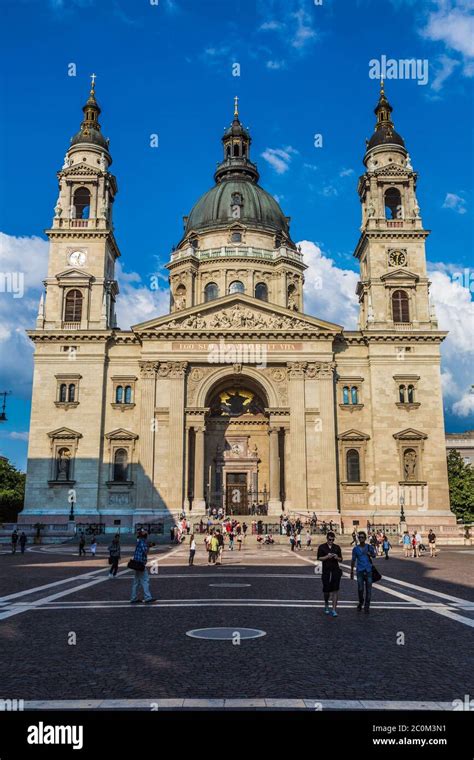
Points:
(346, 172)
(444, 67)
(279, 158)
(276, 65)
(304, 32)
(329, 292)
(18, 436)
(455, 312)
(329, 191)
(291, 21)
(27, 256)
(453, 24)
(455, 203)
(139, 301)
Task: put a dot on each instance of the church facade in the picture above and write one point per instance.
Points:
(237, 397)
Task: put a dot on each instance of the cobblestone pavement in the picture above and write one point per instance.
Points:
(50, 597)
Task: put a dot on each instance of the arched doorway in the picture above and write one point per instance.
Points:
(237, 447)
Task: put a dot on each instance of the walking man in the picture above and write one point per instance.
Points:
(114, 556)
(14, 540)
(330, 555)
(406, 543)
(23, 540)
(140, 573)
(386, 546)
(361, 559)
(82, 544)
(431, 542)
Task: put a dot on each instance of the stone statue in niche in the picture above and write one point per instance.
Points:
(63, 463)
(409, 464)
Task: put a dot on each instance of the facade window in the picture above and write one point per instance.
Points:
(236, 237)
(73, 306)
(400, 306)
(411, 394)
(236, 287)
(211, 292)
(128, 394)
(63, 464)
(345, 394)
(402, 393)
(71, 392)
(63, 393)
(121, 465)
(353, 466)
(393, 204)
(354, 395)
(119, 394)
(81, 203)
(261, 291)
(67, 390)
(236, 149)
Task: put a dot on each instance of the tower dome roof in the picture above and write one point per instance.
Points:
(257, 207)
(384, 133)
(89, 132)
(237, 186)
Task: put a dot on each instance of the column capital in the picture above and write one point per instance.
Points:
(320, 370)
(148, 369)
(296, 370)
(172, 369)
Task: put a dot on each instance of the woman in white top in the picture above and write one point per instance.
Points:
(192, 549)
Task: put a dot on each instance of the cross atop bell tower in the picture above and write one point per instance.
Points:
(81, 286)
(394, 289)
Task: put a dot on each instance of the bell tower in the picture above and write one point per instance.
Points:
(394, 288)
(80, 287)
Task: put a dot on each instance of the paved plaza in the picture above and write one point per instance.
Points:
(410, 652)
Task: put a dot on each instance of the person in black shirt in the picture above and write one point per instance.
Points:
(330, 556)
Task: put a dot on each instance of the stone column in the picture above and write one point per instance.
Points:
(274, 504)
(146, 457)
(329, 500)
(176, 371)
(297, 483)
(199, 504)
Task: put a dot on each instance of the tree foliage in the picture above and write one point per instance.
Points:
(12, 490)
(461, 486)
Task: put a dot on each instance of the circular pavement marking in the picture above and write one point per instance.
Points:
(225, 634)
(231, 585)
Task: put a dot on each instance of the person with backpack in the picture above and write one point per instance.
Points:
(330, 555)
(386, 545)
(140, 573)
(362, 560)
(114, 556)
(406, 543)
(214, 547)
(220, 547)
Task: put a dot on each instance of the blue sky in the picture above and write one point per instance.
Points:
(167, 68)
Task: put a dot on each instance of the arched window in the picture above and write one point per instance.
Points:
(73, 306)
(228, 152)
(345, 394)
(354, 395)
(211, 291)
(71, 394)
(120, 465)
(128, 394)
(401, 392)
(393, 204)
(180, 297)
(119, 394)
(261, 291)
(63, 464)
(353, 466)
(81, 203)
(63, 393)
(236, 287)
(400, 309)
(411, 394)
(236, 149)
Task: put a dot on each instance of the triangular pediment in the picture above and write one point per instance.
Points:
(120, 434)
(64, 432)
(400, 274)
(353, 435)
(73, 273)
(410, 434)
(82, 169)
(237, 313)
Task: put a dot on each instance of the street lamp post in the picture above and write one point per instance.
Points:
(72, 500)
(403, 524)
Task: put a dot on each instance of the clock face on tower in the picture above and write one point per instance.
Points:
(397, 258)
(77, 258)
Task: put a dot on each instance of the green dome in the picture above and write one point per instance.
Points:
(257, 207)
